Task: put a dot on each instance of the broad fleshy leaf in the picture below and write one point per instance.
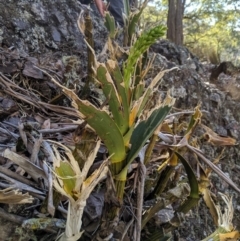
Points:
(145, 129)
(104, 126)
(111, 94)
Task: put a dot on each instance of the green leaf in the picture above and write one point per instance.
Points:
(193, 198)
(111, 94)
(105, 127)
(138, 91)
(110, 25)
(140, 46)
(145, 129)
(116, 74)
(191, 177)
(133, 21)
(142, 133)
(68, 177)
(126, 6)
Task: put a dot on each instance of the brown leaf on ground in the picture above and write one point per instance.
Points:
(11, 196)
(217, 140)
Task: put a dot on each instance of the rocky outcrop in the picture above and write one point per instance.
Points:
(37, 27)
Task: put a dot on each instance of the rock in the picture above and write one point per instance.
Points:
(29, 69)
(34, 26)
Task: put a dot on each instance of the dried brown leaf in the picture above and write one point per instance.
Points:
(34, 171)
(217, 140)
(11, 196)
(46, 124)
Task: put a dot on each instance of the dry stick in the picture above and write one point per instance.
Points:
(126, 228)
(23, 135)
(140, 190)
(59, 109)
(50, 156)
(34, 102)
(5, 131)
(184, 113)
(35, 150)
(48, 173)
(34, 171)
(36, 195)
(11, 217)
(22, 97)
(18, 185)
(48, 151)
(52, 131)
(214, 167)
(43, 131)
(7, 146)
(40, 197)
(16, 176)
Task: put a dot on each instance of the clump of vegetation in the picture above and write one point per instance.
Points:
(152, 160)
(133, 124)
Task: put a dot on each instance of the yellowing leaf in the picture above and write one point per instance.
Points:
(210, 204)
(234, 236)
(133, 114)
(173, 160)
(165, 128)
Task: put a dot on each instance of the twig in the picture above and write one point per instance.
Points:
(16, 184)
(11, 217)
(184, 113)
(35, 150)
(16, 176)
(44, 131)
(51, 131)
(140, 193)
(126, 228)
(33, 100)
(48, 151)
(40, 197)
(48, 173)
(7, 146)
(23, 134)
(214, 167)
(59, 109)
(8, 132)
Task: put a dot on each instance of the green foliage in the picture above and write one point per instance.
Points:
(207, 25)
(140, 46)
(110, 25)
(144, 130)
(116, 125)
(127, 120)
